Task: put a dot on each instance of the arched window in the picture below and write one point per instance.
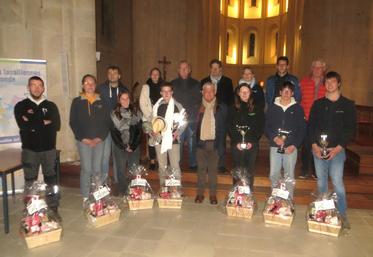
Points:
(272, 43)
(233, 8)
(252, 9)
(273, 8)
(250, 47)
(251, 51)
(231, 45)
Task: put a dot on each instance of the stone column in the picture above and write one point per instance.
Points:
(61, 32)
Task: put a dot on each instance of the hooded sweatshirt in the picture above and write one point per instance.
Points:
(290, 118)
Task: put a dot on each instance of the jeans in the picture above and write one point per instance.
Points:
(334, 169)
(279, 161)
(174, 157)
(245, 159)
(90, 165)
(106, 158)
(189, 135)
(124, 160)
(207, 159)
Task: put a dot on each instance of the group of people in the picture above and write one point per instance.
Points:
(107, 121)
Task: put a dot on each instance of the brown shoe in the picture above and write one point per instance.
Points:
(213, 199)
(199, 199)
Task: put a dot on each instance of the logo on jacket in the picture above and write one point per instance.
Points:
(44, 110)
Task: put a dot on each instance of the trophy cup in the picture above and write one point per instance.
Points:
(243, 131)
(283, 134)
(324, 144)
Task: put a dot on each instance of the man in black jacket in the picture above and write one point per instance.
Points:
(285, 128)
(224, 94)
(332, 125)
(109, 92)
(38, 120)
(187, 91)
(210, 131)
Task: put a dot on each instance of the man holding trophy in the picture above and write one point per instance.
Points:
(168, 122)
(246, 126)
(285, 128)
(332, 126)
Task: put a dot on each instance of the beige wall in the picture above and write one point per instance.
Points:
(341, 32)
(61, 32)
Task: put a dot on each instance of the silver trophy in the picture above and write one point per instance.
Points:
(283, 134)
(243, 131)
(324, 146)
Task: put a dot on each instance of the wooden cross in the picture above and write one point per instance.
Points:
(164, 62)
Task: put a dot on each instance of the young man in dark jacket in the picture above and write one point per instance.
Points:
(109, 92)
(38, 120)
(285, 128)
(224, 94)
(187, 91)
(210, 135)
(275, 81)
(332, 124)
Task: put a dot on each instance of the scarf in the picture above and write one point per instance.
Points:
(215, 80)
(154, 90)
(251, 83)
(169, 118)
(208, 120)
(123, 125)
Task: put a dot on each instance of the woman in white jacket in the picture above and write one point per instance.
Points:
(150, 93)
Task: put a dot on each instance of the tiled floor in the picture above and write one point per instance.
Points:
(195, 230)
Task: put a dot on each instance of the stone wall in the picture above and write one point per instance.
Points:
(61, 32)
(341, 32)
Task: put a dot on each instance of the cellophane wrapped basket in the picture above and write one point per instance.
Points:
(170, 194)
(240, 201)
(140, 194)
(323, 216)
(39, 225)
(279, 207)
(100, 208)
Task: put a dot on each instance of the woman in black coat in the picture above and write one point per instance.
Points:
(245, 126)
(126, 134)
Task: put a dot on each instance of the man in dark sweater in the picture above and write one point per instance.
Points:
(38, 120)
(285, 114)
(109, 91)
(274, 82)
(187, 91)
(332, 121)
(224, 94)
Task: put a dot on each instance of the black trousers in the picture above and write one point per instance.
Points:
(245, 159)
(31, 162)
(308, 166)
